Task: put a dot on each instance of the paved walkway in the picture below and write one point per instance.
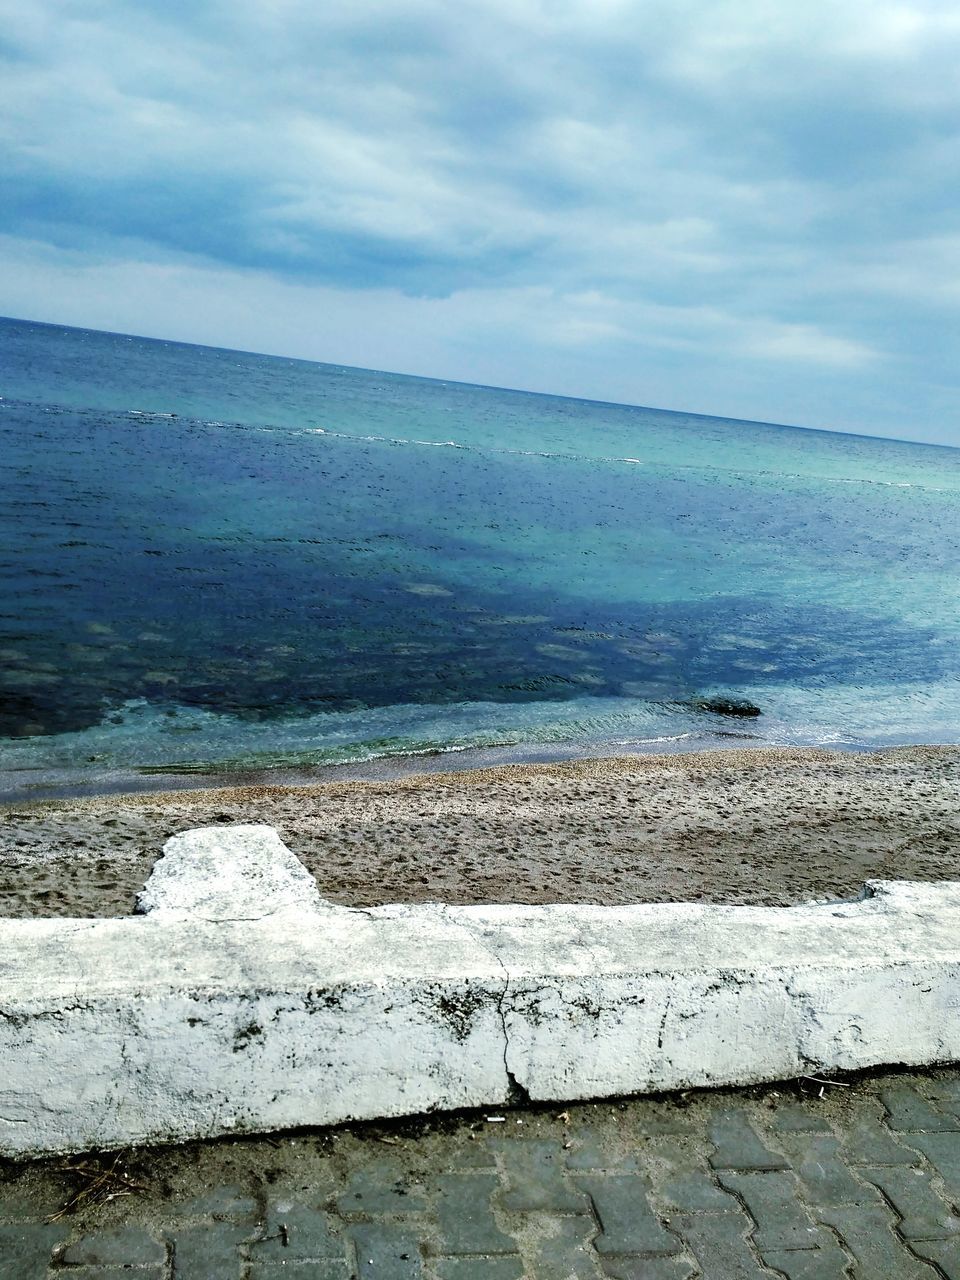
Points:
(863, 1182)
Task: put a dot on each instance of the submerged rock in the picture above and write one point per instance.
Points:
(727, 707)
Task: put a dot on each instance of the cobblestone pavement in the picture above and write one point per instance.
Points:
(863, 1182)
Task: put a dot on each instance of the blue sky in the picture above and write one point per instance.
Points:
(749, 208)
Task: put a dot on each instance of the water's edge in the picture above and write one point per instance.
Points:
(24, 787)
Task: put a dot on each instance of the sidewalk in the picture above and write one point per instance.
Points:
(863, 1182)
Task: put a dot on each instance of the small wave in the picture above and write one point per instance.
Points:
(610, 459)
(430, 444)
(644, 742)
(740, 472)
(883, 484)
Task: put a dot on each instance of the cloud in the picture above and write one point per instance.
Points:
(806, 343)
(760, 191)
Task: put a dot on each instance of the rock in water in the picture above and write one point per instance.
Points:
(727, 707)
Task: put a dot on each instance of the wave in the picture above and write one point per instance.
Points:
(566, 455)
(738, 470)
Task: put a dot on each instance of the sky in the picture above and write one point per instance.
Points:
(745, 208)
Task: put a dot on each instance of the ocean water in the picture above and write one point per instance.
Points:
(214, 561)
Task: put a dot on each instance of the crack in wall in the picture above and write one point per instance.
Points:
(663, 1020)
(516, 1091)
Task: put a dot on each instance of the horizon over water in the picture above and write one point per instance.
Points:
(220, 561)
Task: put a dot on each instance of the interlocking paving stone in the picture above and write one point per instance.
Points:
(944, 1253)
(387, 1252)
(591, 1149)
(382, 1187)
(695, 1192)
(908, 1112)
(947, 1088)
(504, 1267)
(718, 1242)
(116, 1273)
(925, 1216)
(773, 1203)
(292, 1271)
(222, 1202)
(826, 1263)
(943, 1152)
(793, 1117)
(296, 1231)
(826, 1179)
(535, 1179)
(127, 1246)
(561, 1247)
(475, 1154)
(867, 1142)
(627, 1223)
(465, 1217)
(867, 1233)
(210, 1251)
(738, 1145)
(648, 1269)
(682, 1180)
(25, 1251)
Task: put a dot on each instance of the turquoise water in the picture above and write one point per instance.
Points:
(212, 559)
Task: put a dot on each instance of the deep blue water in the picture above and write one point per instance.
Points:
(215, 558)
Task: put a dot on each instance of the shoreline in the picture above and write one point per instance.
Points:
(23, 786)
(761, 825)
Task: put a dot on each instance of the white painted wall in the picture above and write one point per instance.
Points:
(241, 1001)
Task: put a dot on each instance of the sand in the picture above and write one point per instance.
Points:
(738, 826)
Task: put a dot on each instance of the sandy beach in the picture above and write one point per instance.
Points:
(763, 826)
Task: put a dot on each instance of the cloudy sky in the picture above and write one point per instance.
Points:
(747, 208)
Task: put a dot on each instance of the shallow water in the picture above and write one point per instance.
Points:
(213, 559)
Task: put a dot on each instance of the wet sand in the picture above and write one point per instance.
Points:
(765, 826)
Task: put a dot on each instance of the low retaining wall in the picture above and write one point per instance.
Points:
(241, 1001)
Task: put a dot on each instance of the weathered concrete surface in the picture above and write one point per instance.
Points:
(229, 873)
(242, 1001)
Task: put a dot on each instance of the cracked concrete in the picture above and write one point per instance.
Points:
(242, 1001)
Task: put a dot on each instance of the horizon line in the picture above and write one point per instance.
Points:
(483, 386)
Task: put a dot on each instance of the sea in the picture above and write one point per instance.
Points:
(216, 563)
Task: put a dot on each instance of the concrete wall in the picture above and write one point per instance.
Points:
(241, 1001)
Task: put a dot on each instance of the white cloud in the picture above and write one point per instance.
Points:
(806, 343)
